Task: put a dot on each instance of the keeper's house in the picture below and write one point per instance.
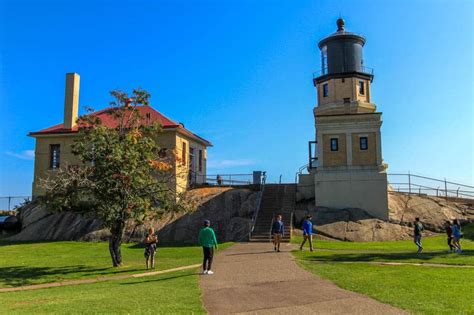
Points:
(53, 144)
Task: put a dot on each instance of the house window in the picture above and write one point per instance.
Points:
(191, 158)
(325, 90)
(54, 156)
(363, 143)
(200, 161)
(343, 80)
(347, 100)
(361, 88)
(334, 144)
(183, 154)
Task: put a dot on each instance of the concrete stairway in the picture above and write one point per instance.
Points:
(276, 199)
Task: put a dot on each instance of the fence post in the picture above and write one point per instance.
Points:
(437, 189)
(446, 189)
(419, 191)
(457, 192)
(409, 183)
(230, 179)
(9, 202)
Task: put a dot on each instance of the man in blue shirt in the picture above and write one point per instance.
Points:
(307, 232)
(278, 230)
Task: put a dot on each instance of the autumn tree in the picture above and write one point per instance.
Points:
(123, 174)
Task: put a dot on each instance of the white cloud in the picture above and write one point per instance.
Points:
(24, 155)
(222, 164)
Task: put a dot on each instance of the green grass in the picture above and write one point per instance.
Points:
(422, 290)
(173, 293)
(42, 262)
(418, 289)
(435, 250)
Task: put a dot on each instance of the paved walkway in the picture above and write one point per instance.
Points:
(252, 279)
(95, 280)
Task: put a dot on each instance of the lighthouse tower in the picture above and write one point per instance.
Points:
(345, 166)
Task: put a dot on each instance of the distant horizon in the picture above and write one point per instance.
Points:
(239, 74)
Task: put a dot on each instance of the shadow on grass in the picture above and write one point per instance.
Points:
(375, 257)
(23, 275)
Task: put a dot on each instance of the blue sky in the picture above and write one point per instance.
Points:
(239, 73)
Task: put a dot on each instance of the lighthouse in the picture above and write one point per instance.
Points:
(345, 165)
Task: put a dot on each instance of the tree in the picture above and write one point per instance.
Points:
(123, 174)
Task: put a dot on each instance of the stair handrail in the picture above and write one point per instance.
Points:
(271, 227)
(291, 224)
(258, 203)
(300, 171)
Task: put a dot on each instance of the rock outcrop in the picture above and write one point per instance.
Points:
(357, 225)
(351, 225)
(230, 211)
(432, 211)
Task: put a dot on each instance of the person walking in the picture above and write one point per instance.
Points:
(150, 248)
(307, 228)
(457, 235)
(418, 232)
(449, 233)
(207, 239)
(278, 230)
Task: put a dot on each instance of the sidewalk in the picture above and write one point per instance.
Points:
(251, 278)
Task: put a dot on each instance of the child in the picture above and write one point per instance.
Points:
(207, 239)
(449, 233)
(457, 235)
(150, 248)
(278, 230)
(418, 231)
(307, 232)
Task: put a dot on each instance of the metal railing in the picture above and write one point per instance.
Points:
(258, 204)
(423, 185)
(301, 171)
(225, 179)
(11, 202)
(342, 69)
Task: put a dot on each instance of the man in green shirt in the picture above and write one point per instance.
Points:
(207, 239)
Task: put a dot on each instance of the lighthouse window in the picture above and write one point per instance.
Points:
(54, 152)
(363, 144)
(325, 90)
(334, 144)
(324, 60)
(361, 87)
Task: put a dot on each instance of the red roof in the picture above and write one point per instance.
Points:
(109, 121)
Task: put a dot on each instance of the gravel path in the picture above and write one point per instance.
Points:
(250, 278)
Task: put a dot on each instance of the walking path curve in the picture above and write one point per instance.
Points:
(250, 278)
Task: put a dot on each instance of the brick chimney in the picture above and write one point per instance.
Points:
(71, 100)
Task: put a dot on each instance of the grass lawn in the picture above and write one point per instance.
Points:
(42, 262)
(173, 293)
(419, 289)
(33, 263)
